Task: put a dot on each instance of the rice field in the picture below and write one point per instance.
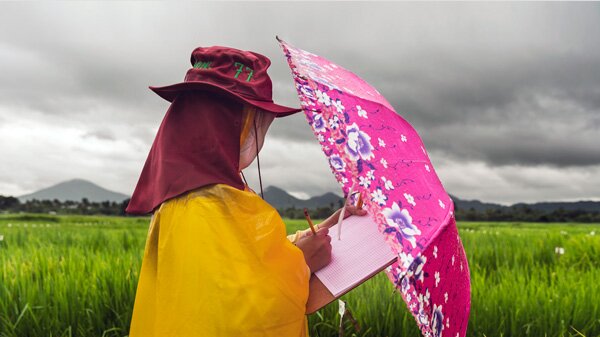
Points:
(76, 276)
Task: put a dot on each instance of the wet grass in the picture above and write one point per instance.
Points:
(76, 276)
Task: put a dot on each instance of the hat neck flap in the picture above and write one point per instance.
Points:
(197, 144)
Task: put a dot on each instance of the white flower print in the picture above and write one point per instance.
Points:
(361, 113)
(334, 122)
(435, 250)
(423, 318)
(427, 168)
(446, 297)
(452, 259)
(323, 98)
(331, 140)
(344, 180)
(437, 278)
(387, 184)
(320, 138)
(442, 205)
(383, 162)
(403, 138)
(448, 322)
(338, 106)
(405, 259)
(410, 199)
(379, 197)
(381, 142)
(364, 181)
(371, 174)
(408, 298)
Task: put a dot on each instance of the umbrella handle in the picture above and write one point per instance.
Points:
(341, 218)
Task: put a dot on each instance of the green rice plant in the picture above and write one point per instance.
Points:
(77, 275)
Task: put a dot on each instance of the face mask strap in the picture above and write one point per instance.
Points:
(258, 161)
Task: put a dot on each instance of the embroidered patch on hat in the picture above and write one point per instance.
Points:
(202, 65)
(241, 67)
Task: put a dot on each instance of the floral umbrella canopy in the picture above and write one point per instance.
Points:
(371, 147)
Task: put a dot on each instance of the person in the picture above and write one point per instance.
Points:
(217, 261)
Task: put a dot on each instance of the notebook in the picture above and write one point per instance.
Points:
(360, 254)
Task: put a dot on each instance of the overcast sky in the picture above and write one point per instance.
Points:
(506, 96)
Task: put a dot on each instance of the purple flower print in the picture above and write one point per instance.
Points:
(337, 163)
(401, 222)
(306, 91)
(416, 268)
(318, 123)
(423, 318)
(405, 285)
(437, 320)
(358, 144)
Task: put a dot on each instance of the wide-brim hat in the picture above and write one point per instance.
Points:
(237, 74)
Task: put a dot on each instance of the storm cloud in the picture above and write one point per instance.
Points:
(506, 96)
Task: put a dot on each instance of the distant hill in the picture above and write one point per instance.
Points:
(474, 204)
(75, 190)
(280, 199)
(588, 206)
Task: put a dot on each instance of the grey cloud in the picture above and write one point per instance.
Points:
(103, 134)
(507, 85)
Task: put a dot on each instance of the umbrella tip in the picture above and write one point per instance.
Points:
(278, 39)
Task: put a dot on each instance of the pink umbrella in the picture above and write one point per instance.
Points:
(370, 146)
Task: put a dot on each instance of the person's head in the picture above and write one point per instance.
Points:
(214, 128)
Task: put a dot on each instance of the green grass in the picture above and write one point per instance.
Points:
(76, 276)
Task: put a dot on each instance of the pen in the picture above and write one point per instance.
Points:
(312, 227)
(359, 204)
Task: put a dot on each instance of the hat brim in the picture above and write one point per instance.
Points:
(169, 93)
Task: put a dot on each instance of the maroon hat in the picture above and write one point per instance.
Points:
(241, 75)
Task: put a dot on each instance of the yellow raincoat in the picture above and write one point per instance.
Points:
(217, 263)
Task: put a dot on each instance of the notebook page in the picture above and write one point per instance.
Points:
(360, 252)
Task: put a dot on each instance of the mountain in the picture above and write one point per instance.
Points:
(75, 190)
(474, 204)
(280, 199)
(587, 206)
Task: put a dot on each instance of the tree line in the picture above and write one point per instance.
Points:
(527, 214)
(86, 207)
